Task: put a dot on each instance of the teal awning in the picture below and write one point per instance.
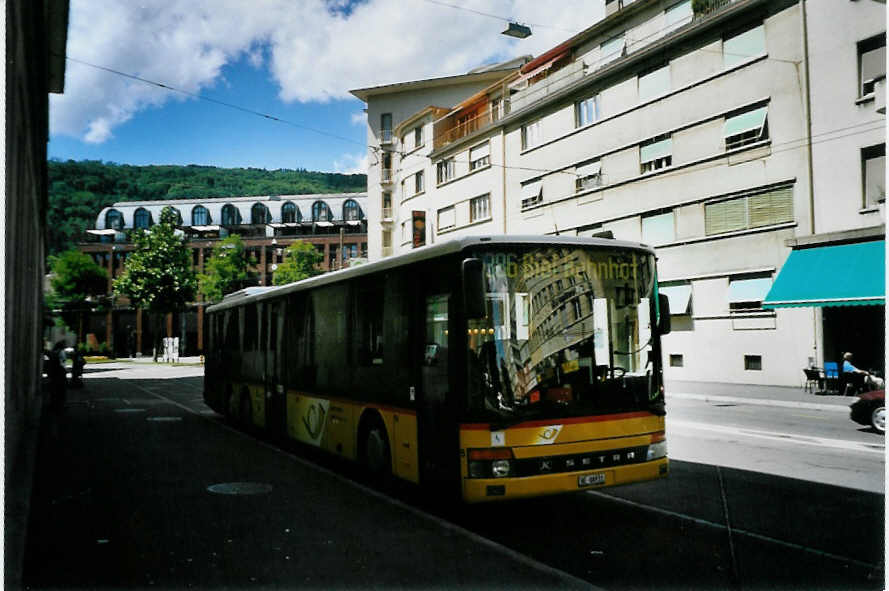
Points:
(842, 275)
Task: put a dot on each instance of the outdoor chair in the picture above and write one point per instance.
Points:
(831, 376)
(814, 379)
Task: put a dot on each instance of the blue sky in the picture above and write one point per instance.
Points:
(194, 131)
(292, 59)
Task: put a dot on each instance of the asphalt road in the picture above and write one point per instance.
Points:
(121, 501)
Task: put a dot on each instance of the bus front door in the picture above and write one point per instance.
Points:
(437, 442)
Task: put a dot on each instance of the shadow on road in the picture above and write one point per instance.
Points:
(120, 500)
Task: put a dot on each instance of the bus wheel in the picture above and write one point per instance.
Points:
(376, 451)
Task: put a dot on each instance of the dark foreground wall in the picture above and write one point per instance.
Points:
(35, 47)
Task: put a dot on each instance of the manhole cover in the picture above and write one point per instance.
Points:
(240, 488)
(164, 419)
(129, 410)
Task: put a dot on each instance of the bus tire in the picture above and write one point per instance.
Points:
(375, 452)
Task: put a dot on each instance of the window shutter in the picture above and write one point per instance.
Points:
(725, 216)
(479, 152)
(770, 208)
(744, 122)
(655, 150)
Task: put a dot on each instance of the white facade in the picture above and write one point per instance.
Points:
(690, 133)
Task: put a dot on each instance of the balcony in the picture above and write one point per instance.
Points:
(386, 176)
(460, 124)
(387, 214)
(552, 83)
(387, 251)
(386, 136)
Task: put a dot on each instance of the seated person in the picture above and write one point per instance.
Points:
(873, 382)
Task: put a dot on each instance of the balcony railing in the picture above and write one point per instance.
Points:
(386, 136)
(387, 251)
(450, 129)
(387, 214)
(385, 175)
(549, 85)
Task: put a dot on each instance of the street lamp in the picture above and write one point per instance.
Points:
(518, 31)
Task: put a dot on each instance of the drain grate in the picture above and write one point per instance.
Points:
(240, 488)
(164, 419)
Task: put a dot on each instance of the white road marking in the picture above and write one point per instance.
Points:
(517, 556)
(734, 529)
(860, 446)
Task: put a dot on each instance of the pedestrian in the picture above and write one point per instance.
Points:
(131, 341)
(77, 365)
(57, 374)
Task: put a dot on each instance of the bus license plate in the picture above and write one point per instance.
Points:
(590, 479)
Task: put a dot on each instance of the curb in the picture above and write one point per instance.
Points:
(760, 401)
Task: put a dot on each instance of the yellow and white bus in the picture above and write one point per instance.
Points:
(490, 367)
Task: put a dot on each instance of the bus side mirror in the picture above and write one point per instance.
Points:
(663, 321)
(473, 289)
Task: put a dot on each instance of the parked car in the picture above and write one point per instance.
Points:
(870, 409)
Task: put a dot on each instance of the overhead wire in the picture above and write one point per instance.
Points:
(229, 105)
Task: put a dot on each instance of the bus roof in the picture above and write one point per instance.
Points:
(249, 295)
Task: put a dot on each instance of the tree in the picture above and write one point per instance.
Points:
(158, 275)
(226, 270)
(301, 261)
(74, 279)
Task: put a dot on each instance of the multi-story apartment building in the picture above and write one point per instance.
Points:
(722, 137)
(336, 224)
(399, 136)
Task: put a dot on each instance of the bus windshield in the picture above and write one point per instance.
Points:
(568, 332)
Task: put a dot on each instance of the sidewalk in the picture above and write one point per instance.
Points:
(757, 395)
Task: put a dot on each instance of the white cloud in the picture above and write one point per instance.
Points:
(315, 50)
(351, 164)
(358, 118)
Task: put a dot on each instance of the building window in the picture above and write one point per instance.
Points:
(676, 360)
(418, 136)
(746, 292)
(658, 229)
(750, 211)
(480, 156)
(532, 194)
(142, 219)
(386, 128)
(753, 362)
(531, 134)
(387, 205)
(178, 215)
(200, 216)
(447, 218)
(587, 111)
(656, 154)
(654, 83)
(589, 176)
(612, 49)
(496, 106)
(290, 213)
(480, 208)
(230, 215)
(446, 169)
(743, 46)
(387, 239)
(386, 169)
(418, 182)
(259, 214)
(351, 211)
(320, 212)
(679, 295)
(871, 63)
(873, 169)
(678, 15)
(114, 220)
(746, 127)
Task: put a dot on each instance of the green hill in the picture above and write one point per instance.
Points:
(78, 190)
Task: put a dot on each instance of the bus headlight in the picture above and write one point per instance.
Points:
(500, 468)
(490, 463)
(657, 451)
